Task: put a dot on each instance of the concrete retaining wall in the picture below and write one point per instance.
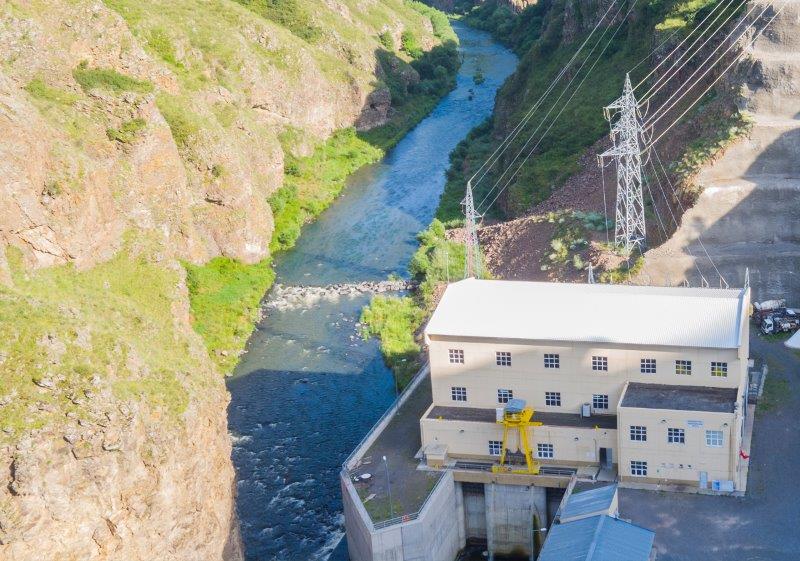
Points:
(510, 511)
(435, 535)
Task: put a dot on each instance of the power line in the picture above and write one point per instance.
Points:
(563, 107)
(669, 74)
(503, 146)
(699, 27)
(718, 78)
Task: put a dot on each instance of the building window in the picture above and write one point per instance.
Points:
(719, 369)
(714, 438)
(553, 399)
(456, 356)
(503, 358)
(638, 433)
(638, 468)
(648, 366)
(458, 393)
(600, 363)
(683, 367)
(503, 396)
(495, 447)
(545, 451)
(551, 360)
(676, 436)
(600, 401)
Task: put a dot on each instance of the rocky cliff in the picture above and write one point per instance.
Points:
(137, 135)
(746, 212)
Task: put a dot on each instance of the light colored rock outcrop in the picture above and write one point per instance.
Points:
(746, 215)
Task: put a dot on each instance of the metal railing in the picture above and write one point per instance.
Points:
(409, 517)
(388, 414)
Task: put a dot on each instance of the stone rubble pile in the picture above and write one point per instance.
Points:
(284, 297)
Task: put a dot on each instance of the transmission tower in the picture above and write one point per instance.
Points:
(627, 135)
(472, 248)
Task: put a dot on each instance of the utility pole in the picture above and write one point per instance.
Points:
(472, 248)
(626, 133)
(389, 487)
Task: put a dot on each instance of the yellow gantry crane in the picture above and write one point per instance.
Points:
(517, 417)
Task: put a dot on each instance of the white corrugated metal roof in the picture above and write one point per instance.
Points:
(598, 538)
(596, 313)
(589, 502)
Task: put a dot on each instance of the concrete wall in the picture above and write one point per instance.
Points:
(470, 440)
(575, 379)
(679, 462)
(510, 511)
(436, 535)
(474, 497)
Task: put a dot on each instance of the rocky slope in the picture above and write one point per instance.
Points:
(138, 134)
(746, 215)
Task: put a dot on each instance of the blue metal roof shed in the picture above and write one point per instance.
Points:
(598, 538)
(594, 501)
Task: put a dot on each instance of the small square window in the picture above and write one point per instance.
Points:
(545, 451)
(503, 358)
(552, 399)
(600, 363)
(495, 447)
(683, 367)
(719, 369)
(714, 438)
(638, 468)
(599, 401)
(552, 360)
(676, 436)
(638, 433)
(504, 396)
(456, 356)
(458, 393)
(647, 366)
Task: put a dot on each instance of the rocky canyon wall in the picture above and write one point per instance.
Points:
(137, 134)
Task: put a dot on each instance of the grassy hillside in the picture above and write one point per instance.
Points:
(539, 35)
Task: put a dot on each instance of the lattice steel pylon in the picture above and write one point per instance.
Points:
(627, 135)
(472, 247)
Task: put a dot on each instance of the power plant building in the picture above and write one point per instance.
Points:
(650, 381)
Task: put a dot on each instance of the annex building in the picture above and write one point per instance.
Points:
(649, 382)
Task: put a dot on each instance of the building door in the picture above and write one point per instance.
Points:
(606, 457)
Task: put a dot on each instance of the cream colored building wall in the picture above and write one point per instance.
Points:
(470, 440)
(575, 380)
(664, 459)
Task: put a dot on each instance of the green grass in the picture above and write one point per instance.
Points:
(184, 124)
(108, 328)
(109, 80)
(312, 183)
(288, 13)
(624, 272)
(39, 89)
(395, 321)
(224, 295)
(776, 392)
(128, 131)
(536, 34)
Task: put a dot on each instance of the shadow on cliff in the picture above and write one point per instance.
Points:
(759, 231)
(407, 89)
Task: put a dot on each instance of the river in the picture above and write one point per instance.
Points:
(309, 388)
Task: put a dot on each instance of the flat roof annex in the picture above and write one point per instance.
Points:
(591, 313)
(679, 398)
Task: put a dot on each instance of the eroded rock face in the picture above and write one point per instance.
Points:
(211, 122)
(117, 488)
